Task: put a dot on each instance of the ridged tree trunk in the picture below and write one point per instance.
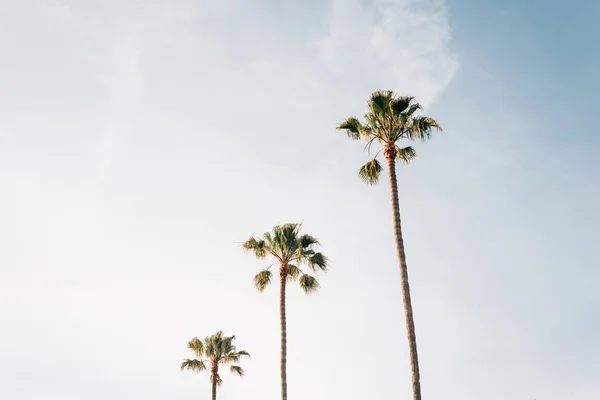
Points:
(283, 368)
(408, 313)
(215, 377)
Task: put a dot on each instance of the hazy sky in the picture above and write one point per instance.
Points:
(141, 141)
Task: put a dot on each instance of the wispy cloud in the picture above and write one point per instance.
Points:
(402, 44)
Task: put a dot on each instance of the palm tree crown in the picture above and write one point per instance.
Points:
(390, 119)
(291, 250)
(215, 350)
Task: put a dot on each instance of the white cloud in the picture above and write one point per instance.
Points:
(401, 44)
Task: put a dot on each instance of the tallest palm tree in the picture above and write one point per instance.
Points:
(390, 120)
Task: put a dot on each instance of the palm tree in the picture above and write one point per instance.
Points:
(291, 250)
(390, 120)
(215, 350)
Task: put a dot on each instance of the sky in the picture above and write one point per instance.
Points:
(142, 141)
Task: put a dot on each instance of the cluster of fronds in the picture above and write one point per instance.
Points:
(390, 119)
(292, 251)
(215, 350)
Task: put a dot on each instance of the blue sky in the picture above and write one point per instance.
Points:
(140, 142)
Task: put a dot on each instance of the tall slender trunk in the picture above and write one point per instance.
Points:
(408, 313)
(283, 368)
(215, 378)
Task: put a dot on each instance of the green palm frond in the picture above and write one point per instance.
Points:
(401, 103)
(212, 345)
(193, 365)
(405, 154)
(309, 284)
(236, 369)
(354, 129)
(256, 246)
(308, 241)
(369, 173)
(233, 356)
(317, 262)
(414, 107)
(243, 353)
(289, 237)
(293, 273)
(420, 128)
(381, 102)
(268, 240)
(262, 280)
(196, 345)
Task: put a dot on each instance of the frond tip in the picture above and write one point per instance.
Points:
(318, 262)
(353, 128)
(309, 284)
(262, 280)
(405, 154)
(196, 345)
(255, 246)
(293, 273)
(369, 173)
(421, 128)
(193, 365)
(236, 369)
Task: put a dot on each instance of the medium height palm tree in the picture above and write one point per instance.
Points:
(215, 350)
(390, 120)
(291, 250)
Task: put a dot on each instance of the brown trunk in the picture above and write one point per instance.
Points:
(215, 379)
(408, 313)
(283, 369)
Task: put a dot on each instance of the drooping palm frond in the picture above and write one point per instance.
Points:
(233, 357)
(293, 272)
(414, 107)
(262, 280)
(256, 246)
(401, 103)
(309, 284)
(236, 369)
(317, 261)
(193, 365)
(307, 241)
(196, 345)
(243, 353)
(354, 129)
(405, 154)
(369, 173)
(421, 127)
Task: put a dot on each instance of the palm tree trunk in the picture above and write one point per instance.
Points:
(408, 313)
(282, 283)
(214, 387)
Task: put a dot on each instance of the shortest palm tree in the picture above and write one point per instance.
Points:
(215, 350)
